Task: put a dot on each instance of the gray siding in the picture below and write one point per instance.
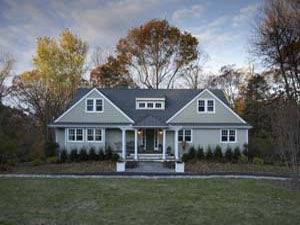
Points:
(61, 138)
(191, 115)
(109, 115)
(212, 137)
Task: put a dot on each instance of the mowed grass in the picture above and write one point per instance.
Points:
(147, 201)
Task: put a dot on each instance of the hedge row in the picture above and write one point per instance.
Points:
(84, 155)
(214, 154)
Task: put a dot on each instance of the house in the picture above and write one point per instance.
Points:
(159, 123)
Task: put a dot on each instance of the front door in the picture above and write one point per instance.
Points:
(149, 140)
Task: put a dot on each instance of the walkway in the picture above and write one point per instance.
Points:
(150, 167)
(133, 175)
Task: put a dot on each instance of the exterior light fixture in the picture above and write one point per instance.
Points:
(160, 132)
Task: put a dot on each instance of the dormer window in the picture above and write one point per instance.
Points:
(94, 105)
(206, 106)
(150, 103)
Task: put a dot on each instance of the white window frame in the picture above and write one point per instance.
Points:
(68, 130)
(228, 135)
(94, 105)
(94, 135)
(146, 102)
(206, 106)
(183, 135)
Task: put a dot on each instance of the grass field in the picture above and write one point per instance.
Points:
(136, 201)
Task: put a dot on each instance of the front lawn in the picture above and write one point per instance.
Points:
(203, 167)
(142, 201)
(74, 167)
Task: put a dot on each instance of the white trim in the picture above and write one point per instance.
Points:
(226, 106)
(75, 134)
(183, 135)
(94, 135)
(198, 96)
(206, 106)
(94, 105)
(137, 105)
(150, 99)
(86, 95)
(228, 136)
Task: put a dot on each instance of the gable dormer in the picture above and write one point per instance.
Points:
(150, 103)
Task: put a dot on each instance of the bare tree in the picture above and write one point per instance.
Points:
(193, 76)
(6, 66)
(231, 80)
(100, 56)
(286, 132)
(278, 42)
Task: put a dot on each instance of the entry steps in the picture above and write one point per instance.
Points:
(150, 157)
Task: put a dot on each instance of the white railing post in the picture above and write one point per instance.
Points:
(164, 145)
(124, 143)
(176, 144)
(135, 144)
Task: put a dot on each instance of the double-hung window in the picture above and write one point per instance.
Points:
(75, 134)
(206, 106)
(94, 135)
(228, 136)
(94, 105)
(185, 135)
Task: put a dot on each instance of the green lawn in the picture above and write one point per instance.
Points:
(136, 201)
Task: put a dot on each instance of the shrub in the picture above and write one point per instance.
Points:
(218, 152)
(64, 156)
(185, 157)
(83, 156)
(228, 154)
(108, 153)
(258, 161)
(209, 154)
(52, 160)
(200, 153)
(236, 153)
(74, 155)
(192, 153)
(37, 162)
(92, 154)
(115, 157)
(101, 155)
(242, 160)
(51, 149)
(11, 162)
(245, 149)
(3, 168)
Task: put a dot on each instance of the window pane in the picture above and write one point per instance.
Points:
(98, 136)
(224, 135)
(201, 106)
(142, 105)
(71, 134)
(90, 134)
(158, 105)
(232, 135)
(79, 135)
(90, 105)
(150, 105)
(99, 105)
(180, 135)
(188, 136)
(210, 106)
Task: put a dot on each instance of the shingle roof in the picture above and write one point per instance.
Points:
(125, 99)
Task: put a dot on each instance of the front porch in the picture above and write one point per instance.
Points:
(149, 144)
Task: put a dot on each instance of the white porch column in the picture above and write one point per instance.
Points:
(135, 144)
(124, 143)
(176, 144)
(164, 145)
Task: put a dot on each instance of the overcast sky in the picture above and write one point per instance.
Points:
(223, 27)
